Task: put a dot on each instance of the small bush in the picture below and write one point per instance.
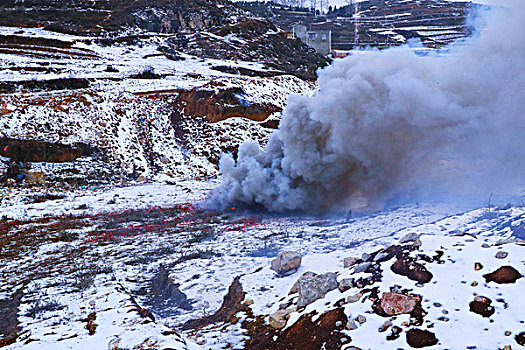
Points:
(41, 305)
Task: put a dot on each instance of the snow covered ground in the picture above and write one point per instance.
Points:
(93, 259)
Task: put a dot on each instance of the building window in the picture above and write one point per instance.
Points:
(312, 36)
(323, 37)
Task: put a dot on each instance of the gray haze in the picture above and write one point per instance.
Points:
(392, 124)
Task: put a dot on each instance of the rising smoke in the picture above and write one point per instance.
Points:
(393, 124)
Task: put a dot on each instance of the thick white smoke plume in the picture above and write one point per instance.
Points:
(393, 123)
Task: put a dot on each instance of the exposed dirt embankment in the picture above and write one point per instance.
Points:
(221, 105)
(44, 85)
(39, 151)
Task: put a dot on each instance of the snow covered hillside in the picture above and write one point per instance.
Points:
(148, 98)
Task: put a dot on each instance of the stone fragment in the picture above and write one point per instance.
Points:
(345, 284)
(478, 266)
(385, 326)
(501, 255)
(407, 266)
(351, 325)
(366, 256)
(361, 319)
(485, 245)
(520, 338)
(396, 304)
(381, 256)
(418, 338)
(285, 262)
(350, 261)
(409, 237)
(278, 320)
(481, 299)
(354, 298)
(394, 333)
(481, 306)
(362, 267)
(295, 287)
(505, 274)
(312, 288)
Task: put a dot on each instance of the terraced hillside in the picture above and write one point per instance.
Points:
(379, 22)
(160, 87)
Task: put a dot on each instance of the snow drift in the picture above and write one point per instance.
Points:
(393, 124)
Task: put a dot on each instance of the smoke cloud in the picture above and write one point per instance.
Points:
(391, 124)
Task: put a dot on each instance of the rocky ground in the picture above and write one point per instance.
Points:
(149, 266)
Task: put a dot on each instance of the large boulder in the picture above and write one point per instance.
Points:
(505, 274)
(286, 263)
(418, 338)
(396, 304)
(313, 287)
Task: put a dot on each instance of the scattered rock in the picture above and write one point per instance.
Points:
(350, 261)
(295, 287)
(385, 326)
(501, 255)
(345, 284)
(478, 266)
(394, 333)
(505, 274)
(407, 266)
(485, 245)
(418, 338)
(279, 319)
(474, 284)
(354, 298)
(381, 256)
(520, 338)
(141, 179)
(312, 288)
(361, 319)
(351, 325)
(286, 262)
(410, 237)
(362, 267)
(396, 304)
(481, 306)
